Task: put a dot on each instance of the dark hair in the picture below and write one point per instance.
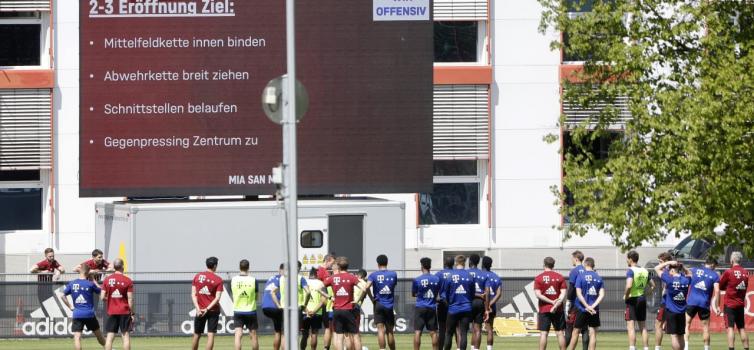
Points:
(474, 260)
(211, 262)
(578, 255)
(460, 260)
(633, 256)
(49, 250)
(84, 269)
(329, 256)
(549, 262)
(299, 265)
(282, 266)
(243, 265)
(382, 260)
(426, 263)
(313, 272)
(96, 252)
(361, 273)
(342, 263)
(486, 263)
(449, 262)
(711, 260)
(589, 262)
(665, 256)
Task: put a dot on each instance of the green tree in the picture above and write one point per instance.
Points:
(684, 162)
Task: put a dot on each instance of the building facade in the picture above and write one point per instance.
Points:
(496, 97)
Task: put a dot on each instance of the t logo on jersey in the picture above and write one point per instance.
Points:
(699, 273)
(588, 278)
(75, 287)
(424, 283)
(111, 283)
(738, 274)
(455, 278)
(202, 278)
(380, 278)
(336, 281)
(676, 285)
(546, 279)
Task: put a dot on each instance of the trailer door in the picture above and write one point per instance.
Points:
(346, 238)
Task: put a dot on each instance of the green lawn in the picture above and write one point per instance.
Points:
(606, 341)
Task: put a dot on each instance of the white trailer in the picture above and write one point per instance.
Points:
(179, 236)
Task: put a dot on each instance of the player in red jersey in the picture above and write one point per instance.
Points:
(206, 290)
(550, 288)
(48, 269)
(327, 264)
(735, 282)
(344, 313)
(118, 291)
(97, 265)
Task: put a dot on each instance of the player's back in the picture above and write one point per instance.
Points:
(459, 291)
(480, 279)
(244, 288)
(549, 283)
(272, 284)
(383, 286)
(735, 282)
(207, 284)
(493, 283)
(117, 286)
(82, 293)
(702, 285)
(426, 287)
(590, 284)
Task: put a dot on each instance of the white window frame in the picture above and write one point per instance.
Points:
(481, 48)
(42, 184)
(43, 19)
(481, 179)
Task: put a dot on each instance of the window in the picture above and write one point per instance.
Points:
(457, 41)
(311, 239)
(455, 197)
(22, 39)
(21, 200)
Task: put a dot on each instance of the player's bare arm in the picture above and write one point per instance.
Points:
(199, 311)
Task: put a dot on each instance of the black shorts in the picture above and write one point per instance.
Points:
(636, 309)
(477, 311)
(661, 313)
(345, 321)
(703, 313)
(118, 324)
(210, 319)
(313, 323)
(245, 320)
(493, 314)
(78, 324)
(384, 315)
(735, 317)
(675, 323)
(276, 315)
(585, 319)
(425, 317)
(547, 319)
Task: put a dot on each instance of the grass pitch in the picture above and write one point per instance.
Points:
(605, 341)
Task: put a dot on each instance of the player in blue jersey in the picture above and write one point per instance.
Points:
(442, 304)
(480, 300)
(705, 287)
(381, 288)
(494, 293)
(272, 306)
(660, 319)
(425, 289)
(458, 291)
(676, 282)
(82, 292)
(589, 294)
(577, 260)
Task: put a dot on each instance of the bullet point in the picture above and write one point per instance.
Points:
(91, 43)
(91, 141)
(91, 76)
(91, 109)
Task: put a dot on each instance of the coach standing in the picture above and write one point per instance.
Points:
(734, 282)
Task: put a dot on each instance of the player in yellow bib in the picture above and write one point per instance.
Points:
(314, 310)
(244, 288)
(637, 279)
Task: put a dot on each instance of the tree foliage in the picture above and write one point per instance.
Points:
(684, 163)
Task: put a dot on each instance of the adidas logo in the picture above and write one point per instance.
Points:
(204, 291)
(741, 286)
(385, 290)
(53, 307)
(700, 285)
(460, 290)
(523, 303)
(429, 294)
(550, 291)
(81, 299)
(116, 294)
(679, 297)
(592, 291)
(342, 292)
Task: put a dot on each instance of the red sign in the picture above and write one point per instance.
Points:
(170, 98)
(718, 323)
